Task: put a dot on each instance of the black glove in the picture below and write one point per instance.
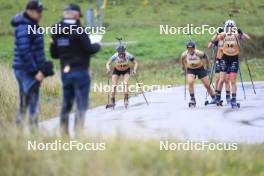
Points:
(239, 31)
(47, 69)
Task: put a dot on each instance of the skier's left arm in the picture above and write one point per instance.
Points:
(135, 62)
(132, 59)
(242, 35)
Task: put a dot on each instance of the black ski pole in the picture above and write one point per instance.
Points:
(242, 84)
(249, 72)
(185, 82)
(211, 76)
(135, 76)
(253, 85)
(108, 93)
(119, 40)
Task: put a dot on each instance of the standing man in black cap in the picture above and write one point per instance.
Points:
(29, 62)
(74, 49)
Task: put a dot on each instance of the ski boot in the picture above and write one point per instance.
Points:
(213, 101)
(234, 104)
(192, 103)
(112, 104)
(126, 100)
(219, 102)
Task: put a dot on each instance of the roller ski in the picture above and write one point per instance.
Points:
(111, 105)
(219, 102)
(234, 104)
(212, 102)
(192, 103)
(126, 101)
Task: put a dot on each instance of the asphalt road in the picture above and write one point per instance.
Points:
(168, 116)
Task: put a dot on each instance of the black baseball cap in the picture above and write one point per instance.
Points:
(73, 7)
(35, 5)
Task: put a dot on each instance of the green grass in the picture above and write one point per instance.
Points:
(124, 157)
(134, 20)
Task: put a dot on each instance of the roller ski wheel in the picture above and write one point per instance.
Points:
(219, 103)
(192, 104)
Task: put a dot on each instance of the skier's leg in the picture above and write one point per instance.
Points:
(217, 72)
(126, 79)
(217, 78)
(115, 79)
(233, 76)
(223, 71)
(206, 83)
(227, 87)
(191, 78)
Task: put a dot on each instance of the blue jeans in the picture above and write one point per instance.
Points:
(76, 86)
(28, 97)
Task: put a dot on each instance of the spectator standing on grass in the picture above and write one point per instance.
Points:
(74, 49)
(29, 62)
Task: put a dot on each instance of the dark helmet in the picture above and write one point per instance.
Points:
(190, 44)
(121, 49)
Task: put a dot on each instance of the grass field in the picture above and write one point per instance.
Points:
(134, 20)
(126, 157)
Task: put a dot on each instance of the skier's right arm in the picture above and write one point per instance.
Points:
(183, 62)
(213, 41)
(108, 65)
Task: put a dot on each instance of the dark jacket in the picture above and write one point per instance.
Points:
(72, 49)
(29, 48)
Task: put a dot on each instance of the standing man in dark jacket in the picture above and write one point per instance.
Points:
(29, 61)
(74, 49)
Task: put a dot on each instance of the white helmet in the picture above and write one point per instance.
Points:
(230, 23)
